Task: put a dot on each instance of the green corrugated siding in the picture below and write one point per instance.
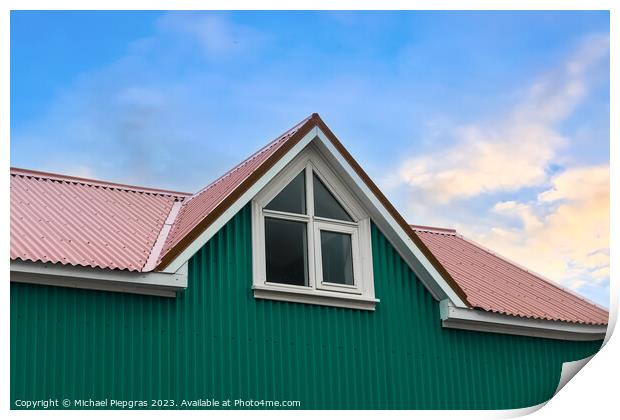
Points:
(216, 341)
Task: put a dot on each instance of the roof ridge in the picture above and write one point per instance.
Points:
(158, 245)
(533, 273)
(93, 182)
(434, 229)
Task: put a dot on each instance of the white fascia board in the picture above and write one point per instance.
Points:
(151, 283)
(245, 198)
(479, 320)
(422, 267)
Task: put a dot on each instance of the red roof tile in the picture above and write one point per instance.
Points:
(77, 221)
(495, 284)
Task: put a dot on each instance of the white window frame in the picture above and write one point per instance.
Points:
(349, 229)
(361, 294)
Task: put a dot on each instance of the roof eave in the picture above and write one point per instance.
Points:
(480, 320)
(50, 274)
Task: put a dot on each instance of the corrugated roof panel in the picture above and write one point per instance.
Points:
(496, 284)
(90, 223)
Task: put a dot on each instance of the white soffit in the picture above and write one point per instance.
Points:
(479, 320)
(151, 283)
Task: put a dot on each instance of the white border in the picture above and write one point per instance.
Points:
(593, 395)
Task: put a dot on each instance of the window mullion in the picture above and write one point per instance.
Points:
(310, 210)
(309, 191)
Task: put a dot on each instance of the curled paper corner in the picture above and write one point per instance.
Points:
(519, 412)
(611, 324)
(570, 369)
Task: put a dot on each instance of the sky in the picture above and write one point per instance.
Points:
(493, 123)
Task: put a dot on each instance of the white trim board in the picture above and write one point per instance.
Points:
(479, 320)
(152, 283)
(319, 297)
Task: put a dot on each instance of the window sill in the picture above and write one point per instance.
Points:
(315, 297)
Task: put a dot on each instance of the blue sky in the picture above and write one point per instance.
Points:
(496, 123)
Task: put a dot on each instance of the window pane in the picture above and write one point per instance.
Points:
(337, 257)
(292, 198)
(325, 204)
(286, 251)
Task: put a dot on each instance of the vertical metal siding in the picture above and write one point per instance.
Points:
(216, 341)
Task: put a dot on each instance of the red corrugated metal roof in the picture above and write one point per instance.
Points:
(77, 221)
(495, 284)
(195, 209)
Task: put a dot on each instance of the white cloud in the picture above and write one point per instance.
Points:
(559, 225)
(515, 151)
(570, 185)
(520, 210)
(565, 231)
(215, 34)
(508, 157)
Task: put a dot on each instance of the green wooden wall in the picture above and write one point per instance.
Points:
(216, 341)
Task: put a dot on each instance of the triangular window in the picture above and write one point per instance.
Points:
(325, 204)
(292, 199)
